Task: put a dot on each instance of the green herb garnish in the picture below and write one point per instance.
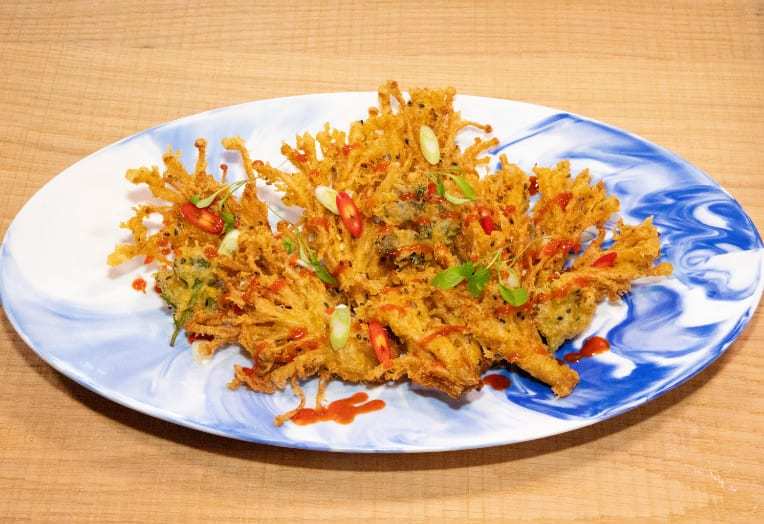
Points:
(516, 296)
(309, 258)
(201, 203)
(477, 277)
(186, 314)
(288, 245)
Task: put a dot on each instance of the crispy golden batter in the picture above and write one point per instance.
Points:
(446, 275)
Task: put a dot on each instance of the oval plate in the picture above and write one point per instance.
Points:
(86, 321)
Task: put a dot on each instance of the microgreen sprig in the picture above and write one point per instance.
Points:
(201, 203)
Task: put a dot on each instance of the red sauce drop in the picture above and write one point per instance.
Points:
(341, 267)
(210, 252)
(405, 197)
(342, 411)
(297, 333)
(563, 199)
(381, 167)
(139, 284)
(192, 337)
(301, 157)
(592, 346)
(441, 332)
(496, 381)
(413, 248)
(318, 222)
(561, 246)
(277, 286)
(347, 148)
(533, 188)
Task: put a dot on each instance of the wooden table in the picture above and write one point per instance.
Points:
(79, 75)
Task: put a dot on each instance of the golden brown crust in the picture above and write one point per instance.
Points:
(274, 305)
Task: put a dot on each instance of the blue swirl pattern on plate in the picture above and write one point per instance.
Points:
(88, 324)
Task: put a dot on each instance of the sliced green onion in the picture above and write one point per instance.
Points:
(428, 143)
(230, 243)
(339, 326)
(328, 198)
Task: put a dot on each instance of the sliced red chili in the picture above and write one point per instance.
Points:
(533, 188)
(486, 221)
(349, 214)
(606, 260)
(204, 219)
(380, 343)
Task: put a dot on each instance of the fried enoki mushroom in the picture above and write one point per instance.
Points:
(405, 264)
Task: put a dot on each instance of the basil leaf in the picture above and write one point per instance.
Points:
(476, 284)
(322, 273)
(448, 278)
(467, 269)
(464, 186)
(516, 296)
(288, 245)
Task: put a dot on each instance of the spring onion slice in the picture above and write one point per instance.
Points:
(428, 142)
(339, 326)
(230, 243)
(328, 198)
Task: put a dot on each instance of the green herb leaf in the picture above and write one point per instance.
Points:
(440, 188)
(288, 245)
(448, 278)
(477, 282)
(229, 220)
(186, 314)
(467, 269)
(207, 202)
(516, 296)
(458, 201)
(467, 190)
(322, 273)
(195, 199)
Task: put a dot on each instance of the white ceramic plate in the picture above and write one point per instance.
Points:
(86, 321)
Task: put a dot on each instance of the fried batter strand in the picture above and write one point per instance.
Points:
(444, 273)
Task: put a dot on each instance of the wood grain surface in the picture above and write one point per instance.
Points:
(76, 76)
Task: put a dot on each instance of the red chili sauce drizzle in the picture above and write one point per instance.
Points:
(591, 347)
(496, 381)
(342, 411)
(139, 284)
